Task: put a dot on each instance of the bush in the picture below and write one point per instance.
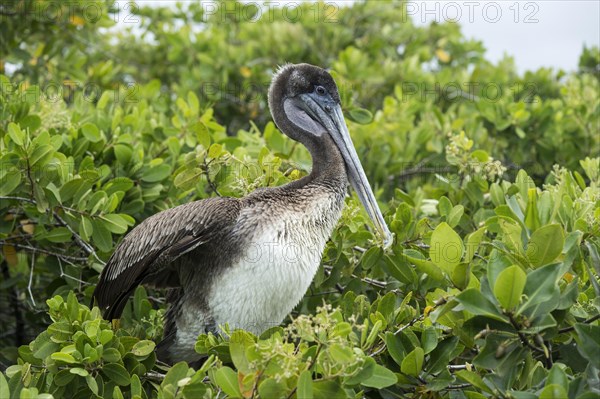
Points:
(490, 289)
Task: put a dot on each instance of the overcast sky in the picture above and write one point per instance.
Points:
(541, 33)
(536, 33)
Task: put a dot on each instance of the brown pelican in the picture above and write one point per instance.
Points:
(247, 261)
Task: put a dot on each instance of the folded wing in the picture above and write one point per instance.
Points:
(147, 253)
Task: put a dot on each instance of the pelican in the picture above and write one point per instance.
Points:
(247, 261)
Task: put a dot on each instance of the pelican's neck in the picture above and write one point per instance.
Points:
(328, 167)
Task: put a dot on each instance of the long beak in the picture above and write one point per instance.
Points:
(334, 123)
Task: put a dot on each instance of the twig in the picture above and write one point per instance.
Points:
(452, 367)
(80, 241)
(571, 328)
(370, 281)
(44, 251)
(63, 274)
(154, 375)
(208, 179)
(255, 385)
(310, 365)
(31, 279)
(523, 338)
(409, 324)
(23, 199)
(457, 387)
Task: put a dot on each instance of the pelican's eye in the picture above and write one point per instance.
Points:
(320, 90)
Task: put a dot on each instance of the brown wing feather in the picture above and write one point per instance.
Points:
(145, 254)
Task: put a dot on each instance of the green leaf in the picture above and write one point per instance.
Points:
(509, 286)
(143, 348)
(341, 354)
(175, 374)
(545, 244)
(111, 355)
(85, 228)
(116, 373)
(381, 377)
(557, 376)
(188, 178)
(512, 234)
(270, 388)
(440, 356)
(101, 236)
(473, 379)
(91, 132)
(9, 181)
(413, 362)
(474, 302)
(227, 380)
(429, 339)
(5, 391)
(541, 286)
(304, 389)
(156, 173)
(444, 206)
(104, 98)
(553, 391)
(588, 338)
(472, 244)
(193, 102)
(532, 219)
(123, 153)
(360, 116)
(327, 389)
(395, 347)
(63, 357)
(92, 384)
(41, 155)
(455, 214)
(446, 247)
(63, 377)
(45, 348)
(239, 342)
(58, 235)
(30, 122)
(16, 134)
(79, 371)
(115, 223)
(371, 257)
(423, 265)
(363, 373)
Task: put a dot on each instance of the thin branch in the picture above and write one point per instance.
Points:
(370, 281)
(22, 199)
(154, 375)
(63, 274)
(31, 279)
(572, 328)
(310, 366)
(44, 251)
(208, 179)
(457, 387)
(409, 324)
(523, 338)
(80, 241)
(453, 367)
